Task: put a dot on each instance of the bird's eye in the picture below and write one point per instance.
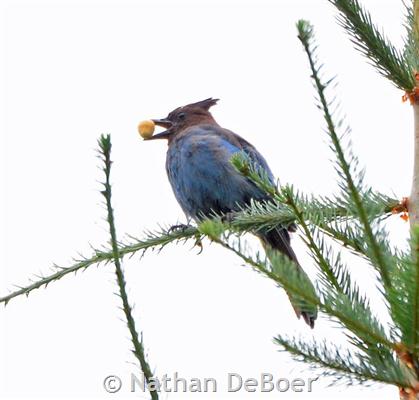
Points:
(181, 116)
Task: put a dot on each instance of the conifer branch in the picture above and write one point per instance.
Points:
(283, 272)
(411, 48)
(372, 43)
(153, 240)
(343, 228)
(321, 260)
(340, 290)
(257, 216)
(345, 365)
(405, 298)
(105, 146)
(342, 299)
(305, 31)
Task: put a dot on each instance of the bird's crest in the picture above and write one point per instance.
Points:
(205, 104)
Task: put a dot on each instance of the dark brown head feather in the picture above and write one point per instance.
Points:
(184, 117)
(205, 104)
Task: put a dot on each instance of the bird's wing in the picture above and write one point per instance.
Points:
(202, 177)
(248, 148)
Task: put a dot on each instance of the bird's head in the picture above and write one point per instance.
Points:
(185, 117)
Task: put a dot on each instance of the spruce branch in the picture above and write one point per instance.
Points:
(371, 42)
(105, 146)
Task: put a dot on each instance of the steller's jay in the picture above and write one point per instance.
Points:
(204, 181)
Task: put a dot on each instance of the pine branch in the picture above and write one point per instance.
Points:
(372, 43)
(105, 151)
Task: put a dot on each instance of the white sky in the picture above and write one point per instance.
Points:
(74, 70)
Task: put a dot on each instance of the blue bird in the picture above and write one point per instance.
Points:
(204, 181)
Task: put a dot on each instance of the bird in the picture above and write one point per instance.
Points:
(205, 182)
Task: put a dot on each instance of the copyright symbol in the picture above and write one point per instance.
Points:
(112, 384)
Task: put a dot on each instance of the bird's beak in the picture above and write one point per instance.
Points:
(165, 123)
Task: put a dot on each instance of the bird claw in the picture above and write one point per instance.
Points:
(292, 228)
(178, 228)
(228, 217)
(198, 243)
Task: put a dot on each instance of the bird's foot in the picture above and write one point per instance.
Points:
(292, 228)
(229, 217)
(198, 243)
(179, 228)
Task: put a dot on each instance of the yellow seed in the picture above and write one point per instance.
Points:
(146, 129)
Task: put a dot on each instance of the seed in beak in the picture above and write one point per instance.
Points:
(146, 129)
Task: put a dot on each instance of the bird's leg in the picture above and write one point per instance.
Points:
(179, 227)
(292, 228)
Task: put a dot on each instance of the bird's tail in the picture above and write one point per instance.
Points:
(279, 239)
